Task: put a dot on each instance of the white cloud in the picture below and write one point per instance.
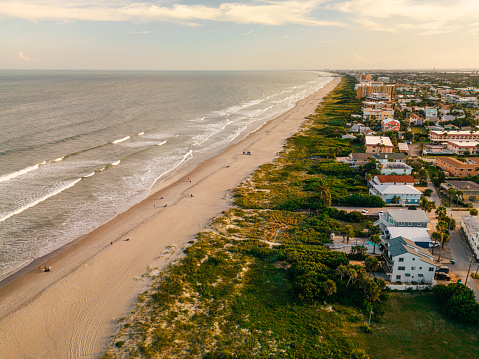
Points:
(139, 32)
(21, 56)
(427, 17)
(247, 33)
(266, 12)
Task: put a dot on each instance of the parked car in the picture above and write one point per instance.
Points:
(442, 269)
(381, 212)
(364, 211)
(434, 244)
(442, 276)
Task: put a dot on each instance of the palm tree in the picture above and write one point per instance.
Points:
(459, 193)
(342, 271)
(376, 240)
(451, 192)
(329, 287)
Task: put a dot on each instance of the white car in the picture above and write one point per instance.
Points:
(364, 211)
(381, 212)
(434, 244)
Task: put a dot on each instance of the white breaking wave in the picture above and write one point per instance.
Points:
(115, 163)
(12, 175)
(121, 139)
(141, 134)
(89, 175)
(161, 143)
(41, 199)
(58, 159)
(185, 158)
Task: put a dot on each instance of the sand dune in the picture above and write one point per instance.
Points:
(72, 311)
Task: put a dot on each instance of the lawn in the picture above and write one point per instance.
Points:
(413, 327)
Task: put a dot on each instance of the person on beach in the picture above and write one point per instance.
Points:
(166, 204)
(192, 195)
(126, 240)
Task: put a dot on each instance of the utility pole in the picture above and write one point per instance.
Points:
(469, 270)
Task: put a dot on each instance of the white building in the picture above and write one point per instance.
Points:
(406, 262)
(404, 194)
(397, 168)
(470, 226)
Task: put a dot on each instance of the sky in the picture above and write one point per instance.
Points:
(239, 34)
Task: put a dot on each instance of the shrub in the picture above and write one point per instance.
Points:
(427, 192)
(473, 212)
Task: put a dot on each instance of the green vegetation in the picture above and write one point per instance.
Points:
(413, 327)
(259, 282)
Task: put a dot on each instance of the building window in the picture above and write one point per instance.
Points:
(398, 277)
(408, 275)
(401, 260)
(420, 268)
(431, 269)
(420, 275)
(401, 268)
(413, 268)
(409, 224)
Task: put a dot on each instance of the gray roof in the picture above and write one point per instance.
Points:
(404, 215)
(415, 234)
(394, 189)
(396, 165)
(361, 156)
(464, 185)
(394, 155)
(401, 245)
(471, 223)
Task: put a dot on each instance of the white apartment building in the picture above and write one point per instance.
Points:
(470, 226)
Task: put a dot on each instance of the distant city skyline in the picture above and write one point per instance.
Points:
(246, 35)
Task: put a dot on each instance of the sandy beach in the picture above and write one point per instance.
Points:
(72, 311)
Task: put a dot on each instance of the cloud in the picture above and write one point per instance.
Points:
(21, 56)
(426, 17)
(139, 32)
(247, 33)
(265, 12)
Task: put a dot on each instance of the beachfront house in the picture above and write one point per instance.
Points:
(406, 262)
(355, 159)
(397, 194)
(396, 168)
(390, 124)
(378, 144)
(470, 228)
(403, 218)
(383, 179)
(470, 190)
(384, 158)
(415, 120)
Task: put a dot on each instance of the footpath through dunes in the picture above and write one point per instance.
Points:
(72, 311)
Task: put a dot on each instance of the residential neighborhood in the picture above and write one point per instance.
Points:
(415, 141)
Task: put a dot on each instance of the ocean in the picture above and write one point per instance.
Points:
(78, 147)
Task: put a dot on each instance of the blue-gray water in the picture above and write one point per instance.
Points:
(76, 146)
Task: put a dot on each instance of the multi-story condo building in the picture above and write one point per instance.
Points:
(455, 167)
(441, 136)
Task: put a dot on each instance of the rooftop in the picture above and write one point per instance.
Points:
(396, 166)
(471, 223)
(464, 185)
(395, 189)
(376, 140)
(455, 163)
(414, 234)
(394, 156)
(395, 179)
(404, 215)
(401, 245)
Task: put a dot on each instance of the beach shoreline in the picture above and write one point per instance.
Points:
(72, 311)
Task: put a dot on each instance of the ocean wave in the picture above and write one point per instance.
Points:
(161, 143)
(89, 175)
(185, 158)
(58, 159)
(121, 139)
(15, 174)
(41, 199)
(115, 163)
(140, 134)
(200, 140)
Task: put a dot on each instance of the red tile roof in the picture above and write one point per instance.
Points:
(395, 179)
